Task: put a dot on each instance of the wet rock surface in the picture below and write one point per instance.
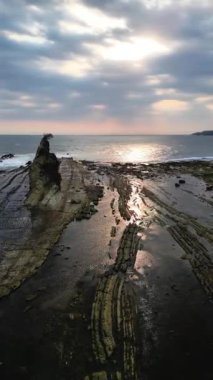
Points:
(125, 289)
(28, 234)
(113, 319)
(44, 175)
(6, 156)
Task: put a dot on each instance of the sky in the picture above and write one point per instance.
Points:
(106, 66)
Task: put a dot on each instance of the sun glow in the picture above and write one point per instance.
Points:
(135, 50)
(132, 50)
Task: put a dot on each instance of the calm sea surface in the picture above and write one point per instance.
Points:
(110, 148)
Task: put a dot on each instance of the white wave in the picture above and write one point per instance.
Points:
(22, 159)
(18, 160)
(64, 154)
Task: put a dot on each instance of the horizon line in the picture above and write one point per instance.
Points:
(96, 134)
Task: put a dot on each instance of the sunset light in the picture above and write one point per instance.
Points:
(106, 189)
(142, 61)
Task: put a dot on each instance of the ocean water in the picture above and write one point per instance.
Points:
(135, 149)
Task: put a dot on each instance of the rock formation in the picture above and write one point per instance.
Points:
(44, 174)
(113, 320)
(6, 156)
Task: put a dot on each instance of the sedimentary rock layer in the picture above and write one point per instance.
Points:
(113, 317)
(189, 234)
(28, 235)
(197, 255)
(124, 189)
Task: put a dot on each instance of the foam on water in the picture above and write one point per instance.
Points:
(22, 159)
(135, 149)
(18, 160)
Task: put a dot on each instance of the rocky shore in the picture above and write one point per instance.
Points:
(106, 271)
(114, 312)
(37, 203)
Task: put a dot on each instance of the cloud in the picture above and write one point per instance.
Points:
(170, 105)
(87, 20)
(75, 67)
(210, 107)
(25, 38)
(132, 61)
(98, 107)
(133, 49)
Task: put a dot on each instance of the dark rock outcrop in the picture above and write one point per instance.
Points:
(44, 174)
(6, 156)
(182, 181)
(209, 187)
(203, 133)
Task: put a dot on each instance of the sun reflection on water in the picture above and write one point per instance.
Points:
(138, 153)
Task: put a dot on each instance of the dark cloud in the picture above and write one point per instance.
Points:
(128, 91)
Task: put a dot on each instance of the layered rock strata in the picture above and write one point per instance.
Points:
(124, 189)
(113, 317)
(192, 236)
(54, 195)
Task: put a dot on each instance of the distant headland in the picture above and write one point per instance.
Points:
(203, 133)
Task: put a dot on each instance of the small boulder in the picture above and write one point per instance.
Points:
(113, 231)
(209, 187)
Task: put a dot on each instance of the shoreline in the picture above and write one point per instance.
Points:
(168, 274)
(6, 164)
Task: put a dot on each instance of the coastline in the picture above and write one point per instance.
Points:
(134, 149)
(22, 159)
(167, 274)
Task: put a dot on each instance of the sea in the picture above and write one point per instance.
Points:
(135, 149)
